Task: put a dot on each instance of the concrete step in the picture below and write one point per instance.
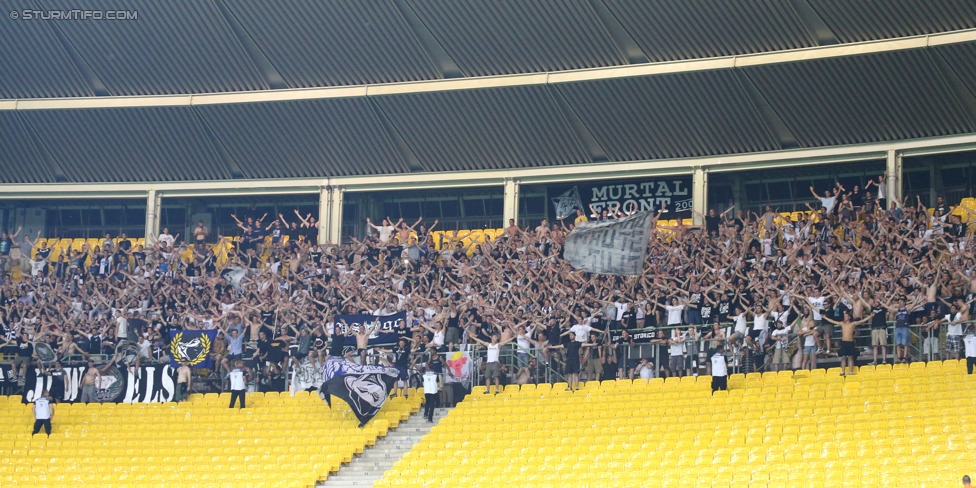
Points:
(379, 457)
(368, 467)
(334, 482)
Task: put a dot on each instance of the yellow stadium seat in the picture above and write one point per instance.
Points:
(822, 422)
(151, 439)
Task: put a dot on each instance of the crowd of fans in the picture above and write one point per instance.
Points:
(753, 283)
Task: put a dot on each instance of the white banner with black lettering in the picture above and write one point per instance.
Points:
(616, 247)
(146, 384)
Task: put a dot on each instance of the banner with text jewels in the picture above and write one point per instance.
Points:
(625, 196)
(154, 383)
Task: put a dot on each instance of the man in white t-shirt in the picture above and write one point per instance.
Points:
(121, 326)
(954, 331)
(675, 310)
(827, 200)
(238, 382)
(676, 351)
(720, 370)
(645, 369)
(430, 395)
(969, 342)
(493, 367)
(166, 237)
(809, 335)
(760, 324)
(780, 338)
(824, 329)
(43, 413)
(386, 230)
(741, 327)
(622, 308)
(582, 331)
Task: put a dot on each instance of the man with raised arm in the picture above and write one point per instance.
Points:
(847, 348)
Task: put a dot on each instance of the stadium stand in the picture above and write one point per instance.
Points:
(278, 440)
(804, 428)
(344, 101)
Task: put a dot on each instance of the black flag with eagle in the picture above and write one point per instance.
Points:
(364, 388)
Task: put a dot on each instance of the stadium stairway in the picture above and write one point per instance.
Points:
(369, 466)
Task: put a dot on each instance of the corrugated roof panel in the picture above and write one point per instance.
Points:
(335, 42)
(316, 138)
(864, 20)
(671, 116)
(870, 98)
(20, 158)
(173, 47)
(134, 144)
(667, 30)
(492, 37)
(32, 61)
(962, 59)
(483, 129)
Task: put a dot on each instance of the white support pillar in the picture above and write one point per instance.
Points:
(325, 199)
(699, 194)
(511, 201)
(336, 196)
(893, 180)
(152, 213)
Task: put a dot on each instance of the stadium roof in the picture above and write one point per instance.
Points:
(130, 97)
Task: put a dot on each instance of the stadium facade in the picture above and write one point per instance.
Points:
(473, 112)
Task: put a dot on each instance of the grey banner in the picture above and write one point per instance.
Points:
(613, 247)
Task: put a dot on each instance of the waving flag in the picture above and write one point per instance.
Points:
(567, 203)
(364, 388)
(234, 275)
(616, 247)
(458, 367)
(191, 347)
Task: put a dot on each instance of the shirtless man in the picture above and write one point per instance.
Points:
(403, 231)
(542, 230)
(512, 229)
(847, 349)
(91, 378)
(183, 382)
(362, 340)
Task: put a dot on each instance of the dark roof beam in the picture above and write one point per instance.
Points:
(774, 123)
(407, 155)
(586, 140)
(818, 29)
(621, 38)
(81, 64)
(53, 164)
(268, 71)
(232, 167)
(952, 80)
(435, 52)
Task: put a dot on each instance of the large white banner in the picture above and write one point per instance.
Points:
(614, 247)
(308, 375)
